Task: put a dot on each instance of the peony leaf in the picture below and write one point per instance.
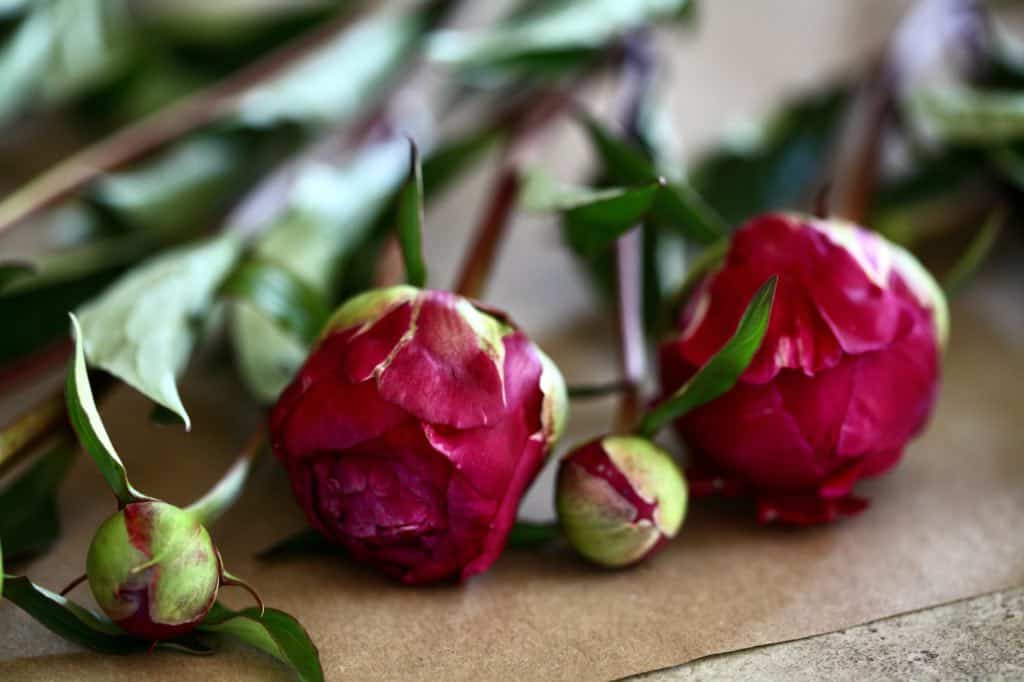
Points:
(530, 534)
(966, 115)
(594, 218)
(140, 329)
(12, 271)
(722, 371)
(554, 35)
(80, 625)
(29, 522)
(410, 221)
(774, 164)
(283, 297)
(312, 93)
(307, 541)
(676, 204)
(975, 253)
(275, 633)
(267, 355)
(88, 424)
(452, 157)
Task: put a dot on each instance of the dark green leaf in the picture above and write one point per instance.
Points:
(161, 415)
(88, 424)
(722, 371)
(140, 329)
(275, 633)
(81, 626)
(293, 304)
(29, 522)
(676, 205)
(776, 166)
(528, 534)
(593, 228)
(410, 221)
(13, 271)
(965, 115)
(453, 157)
(306, 541)
(976, 253)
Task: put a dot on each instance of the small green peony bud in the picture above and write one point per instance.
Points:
(154, 570)
(619, 499)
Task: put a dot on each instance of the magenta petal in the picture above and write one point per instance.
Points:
(369, 348)
(442, 374)
(335, 416)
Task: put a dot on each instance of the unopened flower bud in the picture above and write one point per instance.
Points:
(619, 499)
(154, 570)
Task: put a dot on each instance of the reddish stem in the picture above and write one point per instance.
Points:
(861, 150)
(489, 233)
(155, 130)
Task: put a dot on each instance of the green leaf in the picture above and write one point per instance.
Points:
(594, 218)
(29, 522)
(228, 489)
(88, 424)
(294, 305)
(80, 625)
(275, 633)
(593, 228)
(676, 205)
(12, 271)
(976, 253)
(177, 191)
(529, 534)
(560, 28)
(966, 115)
(307, 541)
(410, 221)
(722, 371)
(140, 329)
(267, 355)
(776, 164)
(453, 157)
(311, 92)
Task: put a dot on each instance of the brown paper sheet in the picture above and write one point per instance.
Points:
(945, 525)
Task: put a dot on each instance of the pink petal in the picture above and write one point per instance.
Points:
(442, 374)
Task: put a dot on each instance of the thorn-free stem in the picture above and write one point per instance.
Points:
(489, 234)
(155, 130)
(221, 496)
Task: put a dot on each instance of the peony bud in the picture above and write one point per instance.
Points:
(846, 374)
(619, 499)
(413, 429)
(154, 570)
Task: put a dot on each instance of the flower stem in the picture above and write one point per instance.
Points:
(488, 234)
(221, 496)
(637, 80)
(32, 425)
(860, 149)
(155, 130)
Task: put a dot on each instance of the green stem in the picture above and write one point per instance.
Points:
(221, 496)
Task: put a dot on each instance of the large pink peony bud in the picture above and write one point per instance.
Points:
(415, 427)
(846, 375)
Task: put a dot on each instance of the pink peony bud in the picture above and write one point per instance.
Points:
(414, 428)
(846, 375)
(619, 499)
(154, 570)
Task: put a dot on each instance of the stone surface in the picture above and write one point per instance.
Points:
(980, 638)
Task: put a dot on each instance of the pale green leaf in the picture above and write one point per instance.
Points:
(333, 84)
(266, 354)
(87, 423)
(141, 328)
(960, 114)
(565, 27)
